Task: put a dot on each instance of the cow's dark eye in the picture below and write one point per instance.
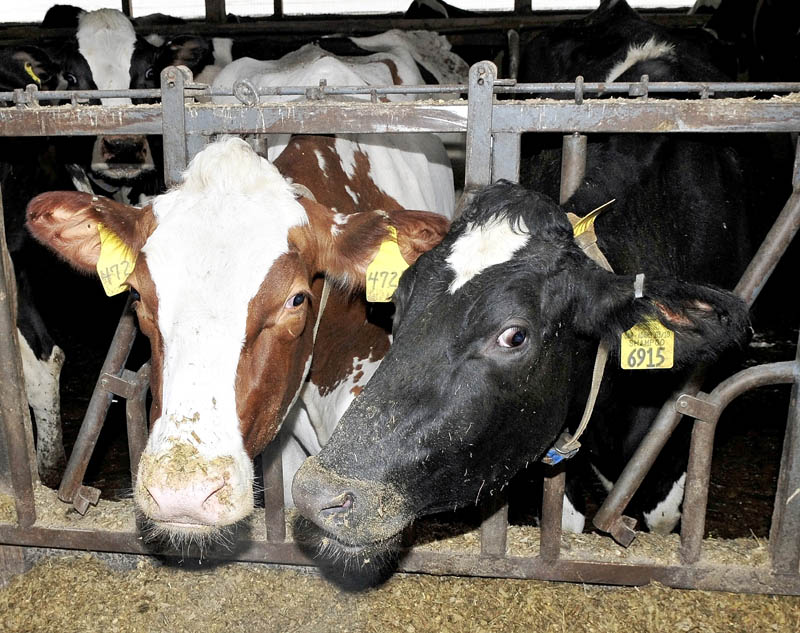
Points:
(72, 80)
(295, 300)
(512, 337)
(149, 73)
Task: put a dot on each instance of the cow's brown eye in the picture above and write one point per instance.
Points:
(295, 300)
(512, 337)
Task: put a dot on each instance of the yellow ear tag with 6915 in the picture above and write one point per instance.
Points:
(647, 345)
(115, 263)
(383, 272)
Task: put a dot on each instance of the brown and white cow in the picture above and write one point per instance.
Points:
(228, 267)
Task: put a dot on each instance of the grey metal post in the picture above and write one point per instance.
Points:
(174, 123)
(478, 171)
(505, 156)
(573, 165)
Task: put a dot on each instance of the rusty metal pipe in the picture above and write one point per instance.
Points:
(136, 418)
(552, 509)
(707, 409)
(13, 401)
(99, 403)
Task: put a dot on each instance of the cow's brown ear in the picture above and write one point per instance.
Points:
(348, 243)
(67, 223)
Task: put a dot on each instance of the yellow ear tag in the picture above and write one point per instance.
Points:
(383, 272)
(115, 263)
(29, 70)
(587, 221)
(647, 345)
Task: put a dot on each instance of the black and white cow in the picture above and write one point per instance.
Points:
(496, 329)
(26, 168)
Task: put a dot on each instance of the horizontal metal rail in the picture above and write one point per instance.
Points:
(593, 116)
(739, 578)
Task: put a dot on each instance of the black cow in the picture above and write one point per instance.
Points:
(762, 36)
(496, 329)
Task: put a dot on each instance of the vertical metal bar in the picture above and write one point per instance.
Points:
(552, 509)
(13, 401)
(136, 418)
(505, 156)
(274, 503)
(96, 412)
(215, 11)
(695, 496)
(494, 528)
(174, 124)
(277, 6)
(126, 8)
(513, 53)
(478, 169)
(784, 534)
(522, 7)
(573, 165)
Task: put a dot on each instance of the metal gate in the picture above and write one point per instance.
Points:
(492, 128)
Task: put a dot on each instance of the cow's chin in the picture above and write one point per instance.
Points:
(367, 558)
(186, 537)
(121, 173)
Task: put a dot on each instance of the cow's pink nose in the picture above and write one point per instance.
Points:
(199, 502)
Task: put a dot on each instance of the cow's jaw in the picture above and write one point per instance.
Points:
(217, 238)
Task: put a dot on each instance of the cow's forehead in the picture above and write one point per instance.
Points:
(481, 245)
(106, 40)
(220, 232)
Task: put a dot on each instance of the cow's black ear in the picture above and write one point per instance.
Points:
(187, 50)
(706, 321)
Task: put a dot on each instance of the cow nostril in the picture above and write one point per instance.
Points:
(340, 505)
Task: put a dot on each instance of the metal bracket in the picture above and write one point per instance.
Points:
(84, 497)
(697, 407)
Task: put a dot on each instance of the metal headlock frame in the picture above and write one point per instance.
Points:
(493, 129)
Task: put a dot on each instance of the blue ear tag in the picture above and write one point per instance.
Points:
(558, 453)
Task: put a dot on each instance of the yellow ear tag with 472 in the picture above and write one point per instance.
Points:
(647, 345)
(383, 272)
(115, 263)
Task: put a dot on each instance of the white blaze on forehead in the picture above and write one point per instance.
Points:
(106, 40)
(651, 49)
(482, 246)
(218, 235)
